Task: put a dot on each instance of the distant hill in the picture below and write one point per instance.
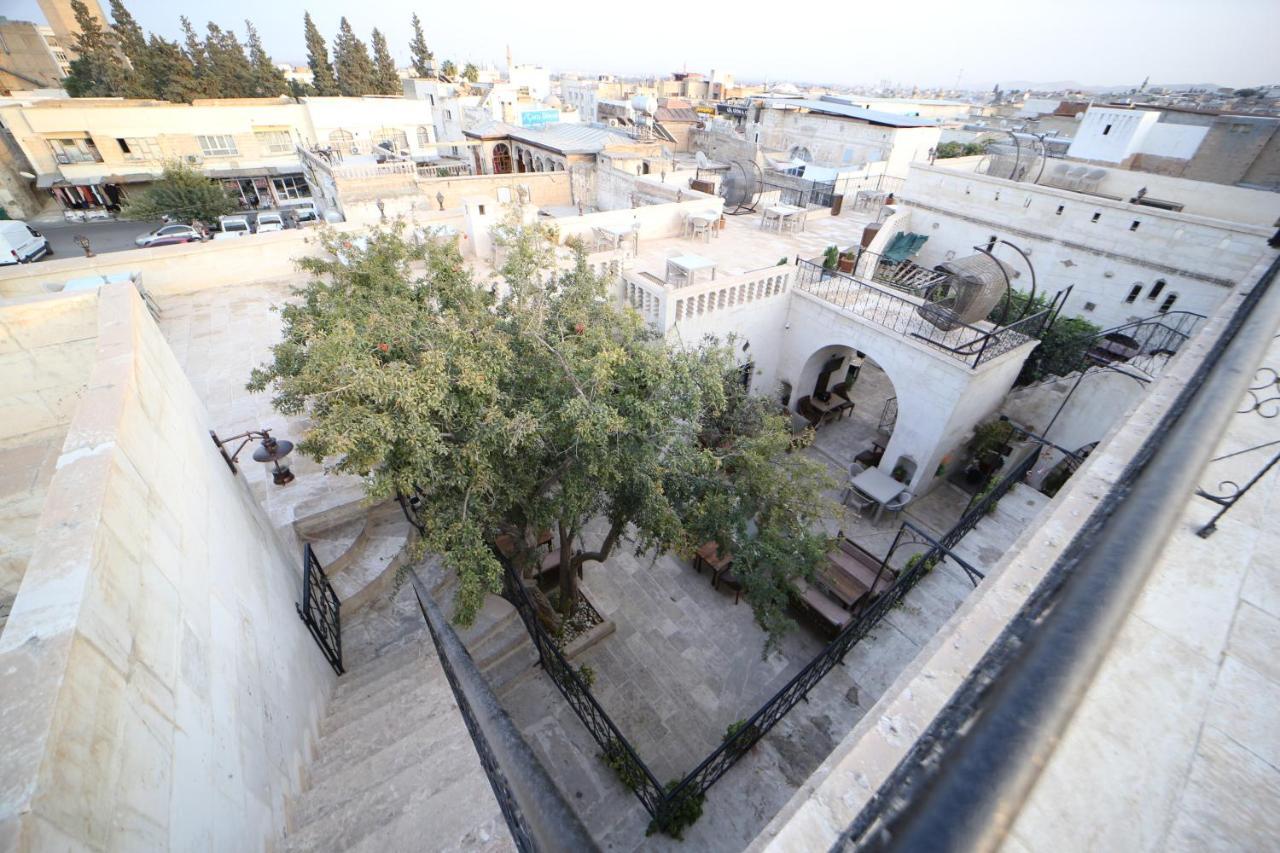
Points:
(1072, 85)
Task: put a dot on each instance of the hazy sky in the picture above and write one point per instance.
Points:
(926, 43)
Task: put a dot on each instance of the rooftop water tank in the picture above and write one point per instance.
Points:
(646, 104)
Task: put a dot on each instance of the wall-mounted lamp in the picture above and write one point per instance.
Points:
(269, 452)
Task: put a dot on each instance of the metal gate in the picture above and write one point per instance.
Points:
(320, 609)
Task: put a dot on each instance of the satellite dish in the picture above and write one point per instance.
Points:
(741, 187)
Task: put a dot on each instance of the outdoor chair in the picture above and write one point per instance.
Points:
(701, 228)
(899, 503)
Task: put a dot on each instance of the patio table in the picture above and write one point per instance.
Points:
(688, 266)
(617, 235)
(785, 211)
(878, 486)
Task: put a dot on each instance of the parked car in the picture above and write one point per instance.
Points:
(232, 226)
(305, 214)
(20, 243)
(167, 235)
(268, 222)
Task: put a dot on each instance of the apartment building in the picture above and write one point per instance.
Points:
(92, 152)
(31, 57)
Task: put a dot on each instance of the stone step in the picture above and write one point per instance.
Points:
(444, 784)
(512, 667)
(373, 557)
(349, 781)
(435, 820)
(332, 545)
(409, 710)
(355, 705)
(372, 663)
(339, 501)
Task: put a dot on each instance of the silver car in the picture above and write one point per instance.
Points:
(168, 234)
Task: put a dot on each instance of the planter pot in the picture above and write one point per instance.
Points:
(845, 264)
(593, 635)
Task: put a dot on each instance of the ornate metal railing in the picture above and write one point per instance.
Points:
(615, 748)
(902, 314)
(663, 804)
(536, 815)
(1262, 399)
(320, 609)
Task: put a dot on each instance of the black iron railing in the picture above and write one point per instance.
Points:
(615, 748)
(536, 815)
(906, 315)
(663, 804)
(320, 609)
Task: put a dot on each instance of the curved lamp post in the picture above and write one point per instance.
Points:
(270, 452)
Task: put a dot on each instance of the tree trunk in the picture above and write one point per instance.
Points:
(568, 574)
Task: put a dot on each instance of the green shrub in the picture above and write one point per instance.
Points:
(619, 760)
(588, 675)
(678, 816)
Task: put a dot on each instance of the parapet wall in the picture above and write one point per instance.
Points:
(157, 689)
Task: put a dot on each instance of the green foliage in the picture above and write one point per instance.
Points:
(132, 42)
(386, 77)
(732, 730)
(322, 78)
(917, 559)
(470, 73)
(783, 261)
(619, 760)
(170, 72)
(537, 405)
(947, 150)
(419, 53)
(183, 193)
(351, 63)
(990, 436)
(229, 72)
(97, 72)
(448, 69)
(986, 492)
(831, 257)
(1062, 347)
(268, 81)
(193, 47)
(678, 816)
(588, 675)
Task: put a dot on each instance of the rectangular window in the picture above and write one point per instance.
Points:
(218, 145)
(1155, 291)
(75, 151)
(1134, 226)
(1096, 217)
(274, 141)
(1134, 293)
(140, 148)
(291, 187)
(1060, 209)
(1106, 130)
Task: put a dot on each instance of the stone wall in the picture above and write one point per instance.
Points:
(46, 353)
(157, 689)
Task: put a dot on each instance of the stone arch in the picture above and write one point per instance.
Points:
(501, 159)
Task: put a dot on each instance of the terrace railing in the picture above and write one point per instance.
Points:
(901, 313)
(320, 609)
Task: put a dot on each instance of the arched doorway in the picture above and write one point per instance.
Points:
(854, 402)
(343, 140)
(501, 159)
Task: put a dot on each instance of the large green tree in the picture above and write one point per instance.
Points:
(231, 75)
(133, 44)
(419, 53)
(193, 46)
(170, 72)
(97, 71)
(268, 81)
(386, 76)
(184, 194)
(470, 73)
(448, 69)
(351, 63)
(535, 405)
(322, 79)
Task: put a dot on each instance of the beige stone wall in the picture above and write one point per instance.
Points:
(46, 353)
(157, 689)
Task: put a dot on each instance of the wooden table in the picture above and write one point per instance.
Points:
(708, 554)
(878, 486)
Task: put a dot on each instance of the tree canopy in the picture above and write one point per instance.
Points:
(535, 404)
(420, 54)
(268, 81)
(97, 71)
(386, 77)
(946, 150)
(448, 69)
(322, 79)
(351, 63)
(470, 73)
(183, 193)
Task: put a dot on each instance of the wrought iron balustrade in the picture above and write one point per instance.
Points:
(899, 313)
(320, 609)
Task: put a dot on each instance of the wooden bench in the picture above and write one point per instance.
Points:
(843, 584)
(822, 606)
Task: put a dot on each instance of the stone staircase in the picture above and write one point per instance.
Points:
(984, 545)
(395, 768)
(497, 640)
(360, 554)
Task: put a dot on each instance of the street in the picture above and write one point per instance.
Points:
(110, 236)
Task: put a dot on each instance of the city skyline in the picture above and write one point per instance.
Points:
(940, 49)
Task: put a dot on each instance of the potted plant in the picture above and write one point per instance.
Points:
(990, 443)
(830, 257)
(845, 261)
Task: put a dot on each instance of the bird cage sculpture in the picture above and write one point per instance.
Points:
(972, 287)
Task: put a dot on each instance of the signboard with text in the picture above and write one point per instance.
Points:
(539, 118)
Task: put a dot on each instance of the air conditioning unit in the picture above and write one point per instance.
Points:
(194, 159)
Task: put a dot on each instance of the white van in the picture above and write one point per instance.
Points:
(230, 227)
(268, 222)
(20, 243)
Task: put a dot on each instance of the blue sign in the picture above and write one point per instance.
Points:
(539, 118)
